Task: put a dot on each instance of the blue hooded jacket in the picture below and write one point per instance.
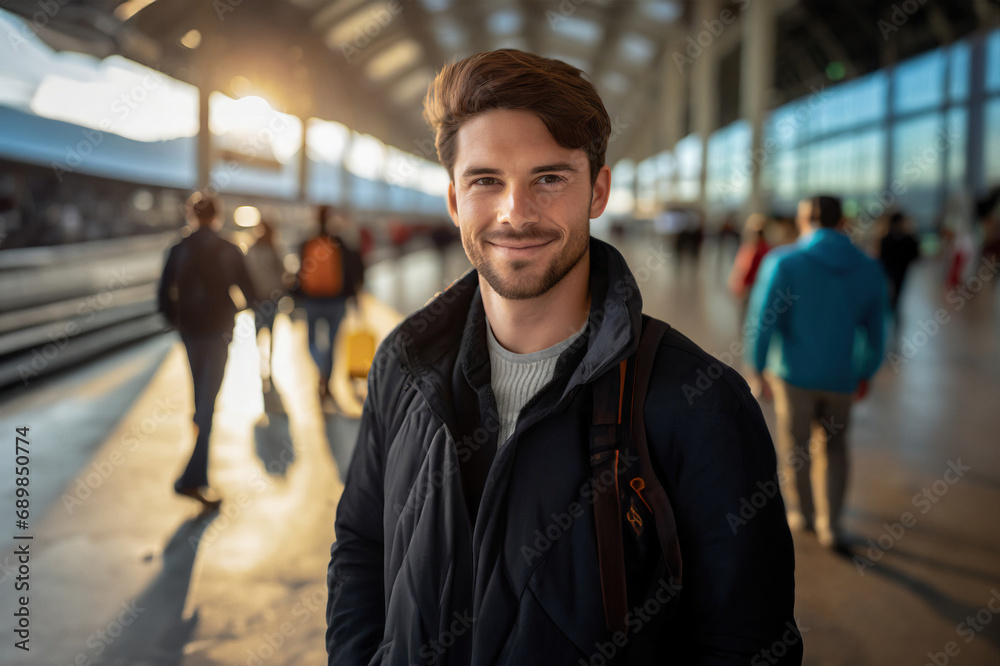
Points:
(817, 314)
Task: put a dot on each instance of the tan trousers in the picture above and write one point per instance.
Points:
(812, 453)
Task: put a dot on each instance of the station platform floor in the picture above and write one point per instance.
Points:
(123, 572)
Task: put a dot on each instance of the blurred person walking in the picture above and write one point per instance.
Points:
(820, 304)
(729, 241)
(897, 250)
(988, 215)
(272, 281)
(194, 297)
(751, 252)
(330, 273)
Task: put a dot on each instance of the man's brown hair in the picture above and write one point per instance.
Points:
(554, 91)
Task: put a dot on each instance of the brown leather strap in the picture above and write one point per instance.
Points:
(606, 433)
(663, 514)
(604, 441)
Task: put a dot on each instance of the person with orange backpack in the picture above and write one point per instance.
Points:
(330, 273)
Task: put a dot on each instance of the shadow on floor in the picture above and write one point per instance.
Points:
(952, 538)
(944, 605)
(158, 630)
(272, 437)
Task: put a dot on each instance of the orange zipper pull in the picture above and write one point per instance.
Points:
(638, 485)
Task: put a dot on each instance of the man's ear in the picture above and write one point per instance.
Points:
(600, 192)
(452, 203)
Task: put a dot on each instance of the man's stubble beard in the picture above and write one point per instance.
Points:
(512, 283)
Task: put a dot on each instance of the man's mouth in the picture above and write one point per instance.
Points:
(520, 245)
(520, 249)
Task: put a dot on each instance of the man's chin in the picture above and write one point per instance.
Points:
(516, 283)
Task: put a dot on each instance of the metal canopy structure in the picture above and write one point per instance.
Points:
(367, 63)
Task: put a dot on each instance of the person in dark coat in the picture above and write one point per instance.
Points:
(466, 530)
(898, 249)
(194, 297)
(265, 263)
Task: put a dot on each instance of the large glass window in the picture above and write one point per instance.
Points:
(326, 142)
(956, 123)
(852, 104)
(257, 147)
(647, 174)
(688, 153)
(919, 154)
(781, 178)
(835, 112)
(993, 61)
(958, 72)
(991, 158)
(666, 168)
(622, 200)
(869, 162)
(919, 148)
(919, 82)
(784, 126)
(780, 127)
(731, 166)
(832, 165)
(871, 98)
(834, 140)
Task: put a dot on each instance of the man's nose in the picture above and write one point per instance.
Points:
(517, 207)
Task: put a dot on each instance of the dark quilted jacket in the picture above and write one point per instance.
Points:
(451, 552)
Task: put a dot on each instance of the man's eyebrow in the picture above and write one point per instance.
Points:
(545, 168)
(558, 166)
(480, 171)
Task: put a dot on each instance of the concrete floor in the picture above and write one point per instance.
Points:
(124, 572)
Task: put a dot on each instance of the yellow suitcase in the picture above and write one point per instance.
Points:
(360, 353)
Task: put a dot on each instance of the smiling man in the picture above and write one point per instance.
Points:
(467, 531)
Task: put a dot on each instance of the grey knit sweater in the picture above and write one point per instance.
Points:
(516, 378)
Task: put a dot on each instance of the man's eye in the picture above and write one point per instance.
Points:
(487, 180)
(550, 179)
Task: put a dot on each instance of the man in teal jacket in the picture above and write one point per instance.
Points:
(816, 323)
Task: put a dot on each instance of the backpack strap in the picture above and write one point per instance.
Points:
(663, 513)
(604, 451)
(605, 445)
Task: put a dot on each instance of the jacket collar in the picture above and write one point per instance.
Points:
(823, 235)
(454, 319)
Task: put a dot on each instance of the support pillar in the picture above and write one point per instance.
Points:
(889, 126)
(975, 140)
(345, 176)
(204, 145)
(673, 101)
(756, 83)
(304, 162)
(705, 94)
(673, 104)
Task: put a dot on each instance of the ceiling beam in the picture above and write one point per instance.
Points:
(607, 50)
(637, 141)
